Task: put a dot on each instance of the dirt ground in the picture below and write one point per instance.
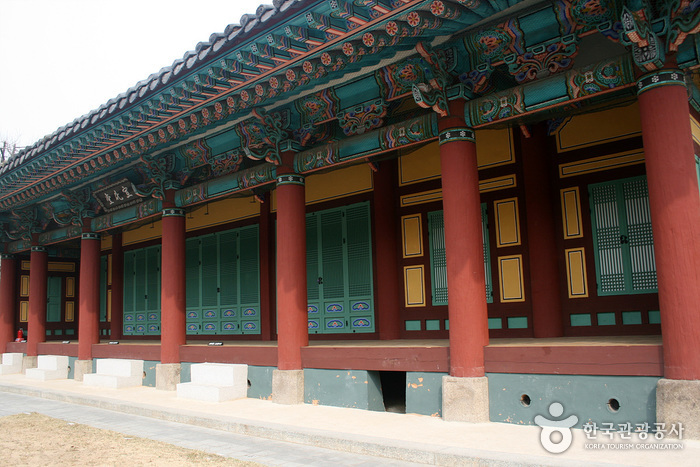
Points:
(35, 439)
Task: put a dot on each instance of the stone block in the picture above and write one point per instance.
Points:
(465, 399)
(220, 374)
(678, 402)
(28, 362)
(81, 368)
(115, 373)
(11, 363)
(288, 386)
(168, 376)
(119, 367)
(49, 367)
(208, 393)
(215, 382)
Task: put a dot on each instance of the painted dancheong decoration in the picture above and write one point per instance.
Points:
(456, 171)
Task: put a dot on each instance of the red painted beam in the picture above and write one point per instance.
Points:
(376, 358)
(621, 360)
(56, 348)
(251, 355)
(133, 351)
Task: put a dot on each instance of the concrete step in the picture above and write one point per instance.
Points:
(207, 393)
(215, 382)
(120, 367)
(116, 373)
(11, 363)
(112, 381)
(49, 367)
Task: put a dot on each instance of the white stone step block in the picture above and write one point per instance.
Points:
(219, 374)
(49, 367)
(11, 363)
(52, 362)
(120, 367)
(208, 393)
(112, 381)
(215, 382)
(42, 374)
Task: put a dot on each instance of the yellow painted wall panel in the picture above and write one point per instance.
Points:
(598, 164)
(571, 212)
(494, 148)
(507, 222)
(109, 305)
(414, 284)
(590, 129)
(70, 287)
(327, 186)
(24, 286)
(25, 265)
(412, 233)
(57, 266)
(510, 273)
(70, 311)
(338, 183)
(105, 242)
(695, 128)
(150, 231)
(485, 186)
(23, 311)
(576, 272)
(221, 212)
(420, 165)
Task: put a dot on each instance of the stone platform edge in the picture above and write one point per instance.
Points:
(346, 442)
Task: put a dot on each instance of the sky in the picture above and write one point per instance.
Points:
(60, 59)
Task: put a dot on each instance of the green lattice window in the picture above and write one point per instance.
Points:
(142, 291)
(223, 282)
(438, 259)
(339, 270)
(622, 237)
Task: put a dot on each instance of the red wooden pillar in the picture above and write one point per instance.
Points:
(385, 236)
(36, 322)
(117, 298)
(675, 216)
(8, 300)
(291, 271)
(173, 319)
(541, 229)
(89, 295)
(464, 248)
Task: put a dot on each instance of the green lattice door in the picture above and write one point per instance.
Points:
(223, 283)
(339, 270)
(438, 258)
(142, 291)
(54, 296)
(622, 237)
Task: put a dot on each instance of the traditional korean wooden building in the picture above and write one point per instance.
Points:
(474, 208)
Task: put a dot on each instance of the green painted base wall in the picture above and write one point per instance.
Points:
(358, 389)
(424, 393)
(260, 382)
(149, 367)
(587, 397)
(185, 372)
(71, 367)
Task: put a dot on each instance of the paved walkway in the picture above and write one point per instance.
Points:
(316, 435)
(223, 443)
